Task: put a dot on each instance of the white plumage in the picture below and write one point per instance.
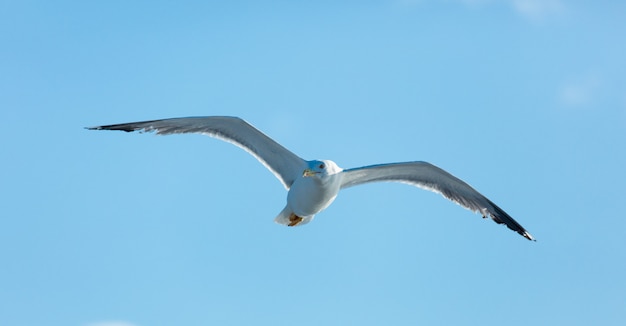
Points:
(314, 185)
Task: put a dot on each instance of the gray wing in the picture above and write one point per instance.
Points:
(283, 163)
(430, 177)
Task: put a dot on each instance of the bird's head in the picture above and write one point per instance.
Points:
(320, 168)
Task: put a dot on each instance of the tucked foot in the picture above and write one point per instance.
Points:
(294, 220)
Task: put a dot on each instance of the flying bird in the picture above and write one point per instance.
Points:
(313, 185)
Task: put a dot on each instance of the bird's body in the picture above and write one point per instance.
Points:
(310, 195)
(313, 185)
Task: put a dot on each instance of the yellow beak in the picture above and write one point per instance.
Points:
(308, 173)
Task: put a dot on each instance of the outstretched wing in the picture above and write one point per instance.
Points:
(430, 177)
(283, 163)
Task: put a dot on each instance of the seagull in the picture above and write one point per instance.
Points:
(313, 185)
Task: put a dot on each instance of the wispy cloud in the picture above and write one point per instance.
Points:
(538, 9)
(579, 92)
(111, 323)
(534, 10)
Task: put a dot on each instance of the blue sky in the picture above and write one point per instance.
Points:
(525, 100)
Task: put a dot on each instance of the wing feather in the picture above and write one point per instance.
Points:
(285, 165)
(430, 177)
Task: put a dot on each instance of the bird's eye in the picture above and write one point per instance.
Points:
(322, 166)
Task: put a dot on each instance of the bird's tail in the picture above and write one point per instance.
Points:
(288, 218)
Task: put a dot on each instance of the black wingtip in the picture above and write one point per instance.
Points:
(501, 217)
(122, 127)
(528, 236)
